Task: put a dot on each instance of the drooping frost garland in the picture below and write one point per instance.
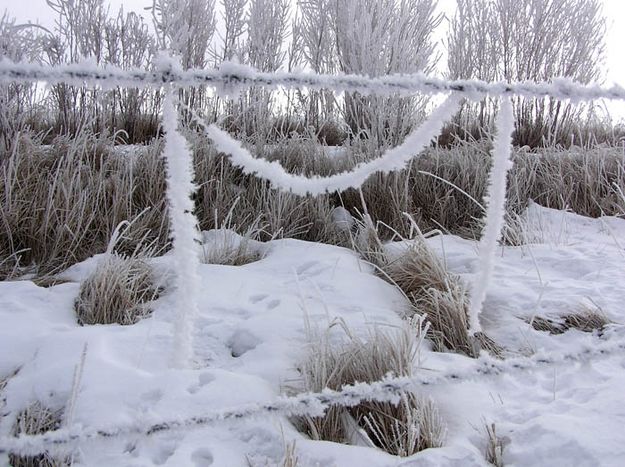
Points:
(495, 200)
(393, 159)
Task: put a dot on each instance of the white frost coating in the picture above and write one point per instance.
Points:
(495, 211)
(392, 160)
(184, 231)
(69, 439)
(229, 77)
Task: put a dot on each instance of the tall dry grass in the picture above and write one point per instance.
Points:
(59, 204)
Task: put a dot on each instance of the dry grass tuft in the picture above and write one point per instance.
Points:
(229, 252)
(225, 246)
(440, 296)
(494, 446)
(587, 319)
(432, 290)
(37, 419)
(290, 455)
(117, 292)
(401, 429)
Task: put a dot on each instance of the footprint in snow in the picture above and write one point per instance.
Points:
(163, 452)
(202, 457)
(203, 380)
(306, 266)
(258, 298)
(241, 342)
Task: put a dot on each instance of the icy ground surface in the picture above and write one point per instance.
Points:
(252, 331)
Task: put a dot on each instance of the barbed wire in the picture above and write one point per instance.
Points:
(393, 159)
(229, 78)
(388, 389)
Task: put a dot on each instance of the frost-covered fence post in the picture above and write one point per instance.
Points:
(495, 211)
(180, 187)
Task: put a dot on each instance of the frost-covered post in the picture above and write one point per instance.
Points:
(495, 211)
(180, 187)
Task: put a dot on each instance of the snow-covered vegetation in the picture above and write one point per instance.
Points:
(201, 267)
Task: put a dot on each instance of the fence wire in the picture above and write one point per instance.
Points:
(229, 79)
(389, 389)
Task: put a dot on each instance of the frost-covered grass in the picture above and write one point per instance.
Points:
(33, 420)
(585, 319)
(403, 428)
(435, 293)
(118, 291)
(59, 204)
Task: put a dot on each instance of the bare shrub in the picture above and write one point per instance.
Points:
(528, 40)
(34, 420)
(400, 429)
(117, 292)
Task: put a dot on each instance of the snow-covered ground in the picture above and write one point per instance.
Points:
(251, 333)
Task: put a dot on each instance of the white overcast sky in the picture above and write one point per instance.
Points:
(614, 10)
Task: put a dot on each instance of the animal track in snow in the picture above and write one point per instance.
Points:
(203, 380)
(258, 298)
(163, 452)
(241, 342)
(202, 457)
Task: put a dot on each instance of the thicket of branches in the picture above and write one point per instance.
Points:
(529, 40)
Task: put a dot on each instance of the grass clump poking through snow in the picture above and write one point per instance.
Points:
(586, 319)
(117, 292)
(37, 419)
(440, 295)
(494, 446)
(225, 246)
(433, 291)
(400, 429)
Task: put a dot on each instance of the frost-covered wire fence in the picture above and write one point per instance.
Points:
(394, 159)
(68, 440)
(229, 79)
